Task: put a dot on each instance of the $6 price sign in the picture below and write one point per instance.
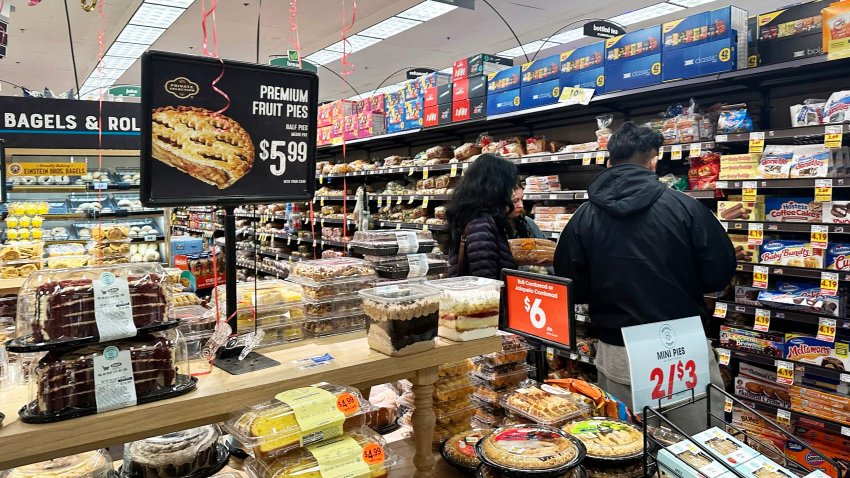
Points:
(535, 313)
(678, 371)
(282, 151)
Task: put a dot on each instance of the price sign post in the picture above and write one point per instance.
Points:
(538, 307)
(669, 361)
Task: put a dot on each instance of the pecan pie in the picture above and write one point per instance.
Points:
(212, 148)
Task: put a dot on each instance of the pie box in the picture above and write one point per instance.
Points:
(790, 34)
(760, 466)
(774, 394)
(837, 402)
(724, 447)
(480, 64)
(467, 88)
(543, 69)
(834, 355)
(670, 463)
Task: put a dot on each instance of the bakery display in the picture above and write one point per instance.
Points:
(501, 377)
(469, 307)
(527, 448)
(459, 449)
(208, 146)
(607, 439)
(534, 403)
(193, 452)
(514, 349)
(392, 243)
(401, 320)
(90, 464)
(325, 278)
(270, 302)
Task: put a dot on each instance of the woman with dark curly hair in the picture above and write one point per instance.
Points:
(478, 217)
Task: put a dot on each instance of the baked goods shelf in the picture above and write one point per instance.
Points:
(788, 133)
(260, 267)
(751, 357)
(781, 314)
(744, 226)
(411, 225)
(782, 183)
(395, 198)
(792, 271)
(773, 411)
(334, 198)
(218, 394)
(25, 188)
(290, 238)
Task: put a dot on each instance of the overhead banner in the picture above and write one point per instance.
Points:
(68, 124)
(256, 145)
(603, 29)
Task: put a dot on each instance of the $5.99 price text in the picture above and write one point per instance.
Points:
(664, 380)
(282, 152)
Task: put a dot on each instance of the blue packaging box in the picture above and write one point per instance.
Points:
(412, 89)
(401, 126)
(539, 94)
(633, 73)
(395, 115)
(433, 80)
(503, 102)
(699, 60)
(413, 110)
(544, 69)
(392, 99)
(594, 78)
(585, 58)
(708, 27)
(182, 245)
(506, 79)
(633, 45)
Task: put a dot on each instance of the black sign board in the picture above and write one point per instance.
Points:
(67, 124)
(469, 4)
(603, 29)
(2, 172)
(417, 72)
(261, 149)
(538, 307)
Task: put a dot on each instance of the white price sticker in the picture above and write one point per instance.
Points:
(676, 152)
(720, 309)
(727, 407)
(826, 329)
(762, 321)
(723, 356)
(784, 372)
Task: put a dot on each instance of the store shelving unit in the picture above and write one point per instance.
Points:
(779, 314)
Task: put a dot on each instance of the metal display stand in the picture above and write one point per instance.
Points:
(658, 418)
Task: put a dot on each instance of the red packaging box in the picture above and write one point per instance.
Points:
(325, 115)
(432, 115)
(340, 108)
(472, 87)
(430, 97)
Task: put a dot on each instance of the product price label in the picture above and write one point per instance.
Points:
(829, 283)
(826, 329)
(844, 377)
(749, 191)
(823, 190)
(676, 152)
(696, 150)
(760, 277)
(321, 179)
(727, 407)
(425, 172)
(113, 310)
(756, 142)
(411, 171)
(425, 201)
(410, 199)
(342, 457)
(380, 201)
(723, 356)
(784, 372)
(600, 158)
(725, 225)
(453, 171)
(832, 137)
(316, 411)
(114, 386)
(819, 237)
(755, 233)
(762, 320)
(398, 201)
(322, 202)
(586, 159)
(783, 417)
(720, 309)
(550, 353)
(150, 238)
(534, 306)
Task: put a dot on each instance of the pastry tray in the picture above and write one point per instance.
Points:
(455, 369)
(26, 345)
(583, 410)
(353, 322)
(497, 379)
(186, 385)
(223, 456)
(327, 308)
(551, 473)
(618, 459)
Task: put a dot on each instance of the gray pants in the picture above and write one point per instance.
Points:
(614, 379)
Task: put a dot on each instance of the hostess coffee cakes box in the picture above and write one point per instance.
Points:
(503, 102)
(799, 209)
(507, 79)
(779, 252)
(541, 70)
(838, 256)
(540, 94)
(633, 60)
(807, 349)
(791, 33)
(728, 23)
(700, 60)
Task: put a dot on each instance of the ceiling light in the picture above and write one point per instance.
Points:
(117, 62)
(160, 16)
(139, 34)
(127, 50)
(539, 45)
(109, 73)
(513, 52)
(322, 57)
(355, 43)
(646, 13)
(389, 27)
(172, 3)
(426, 11)
(690, 3)
(568, 36)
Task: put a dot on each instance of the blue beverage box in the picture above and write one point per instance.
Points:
(540, 94)
(594, 79)
(708, 27)
(413, 110)
(585, 58)
(392, 99)
(503, 102)
(632, 45)
(633, 73)
(544, 69)
(700, 60)
(506, 79)
(412, 89)
(182, 245)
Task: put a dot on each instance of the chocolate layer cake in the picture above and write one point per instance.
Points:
(173, 455)
(401, 320)
(66, 379)
(65, 309)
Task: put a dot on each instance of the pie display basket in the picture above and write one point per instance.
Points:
(530, 436)
(612, 430)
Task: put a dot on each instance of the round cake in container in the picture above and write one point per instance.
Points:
(530, 450)
(91, 464)
(607, 439)
(459, 449)
(485, 471)
(193, 453)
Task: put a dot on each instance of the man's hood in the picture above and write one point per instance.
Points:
(625, 189)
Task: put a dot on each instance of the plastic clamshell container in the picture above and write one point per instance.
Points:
(67, 249)
(193, 319)
(469, 307)
(330, 288)
(156, 366)
(402, 320)
(287, 331)
(391, 243)
(529, 399)
(362, 452)
(457, 416)
(500, 378)
(272, 428)
(341, 324)
(68, 262)
(69, 307)
(105, 249)
(90, 464)
(410, 266)
(21, 251)
(325, 270)
(332, 307)
(265, 294)
(507, 450)
(17, 269)
(454, 369)
(514, 349)
(166, 456)
(453, 388)
(183, 299)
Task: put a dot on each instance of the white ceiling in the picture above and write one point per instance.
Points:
(39, 54)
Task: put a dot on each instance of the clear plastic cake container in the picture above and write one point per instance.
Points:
(573, 409)
(280, 334)
(453, 388)
(95, 463)
(454, 369)
(341, 324)
(262, 294)
(362, 452)
(68, 262)
(501, 378)
(331, 289)
(267, 316)
(168, 455)
(21, 251)
(408, 266)
(469, 307)
(402, 320)
(449, 416)
(332, 307)
(193, 319)
(391, 243)
(272, 428)
(514, 349)
(321, 271)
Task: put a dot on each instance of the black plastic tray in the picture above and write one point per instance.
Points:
(223, 457)
(25, 344)
(553, 473)
(28, 417)
(363, 250)
(465, 469)
(613, 461)
(391, 272)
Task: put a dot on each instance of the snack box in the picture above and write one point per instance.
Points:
(798, 209)
(471, 87)
(507, 79)
(740, 211)
(752, 42)
(724, 447)
(413, 111)
(433, 80)
(747, 295)
(634, 44)
(790, 253)
(474, 108)
(833, 355)
(811, 161)
(707, 27)
(412, 89)
(444, 113)
(770, 393)
(836, 212)
(744, 251)
(431, 117)
(503, 102)
(588, 57)
(480, 64)
(838, 257)
(700, 60)
(186, 245)
(738, 166)
(802, 296)
(836, 34)
(438, 95)
(393, 98)
(594, 79)
(633, 73)
(760, 466)
(791, 33)
(752, 341)
(543, 69)
(324, 115)
(540, 94)
(673, 461)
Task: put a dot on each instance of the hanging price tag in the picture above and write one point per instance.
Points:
(720, 309)
(819, 237)
(762, 323)
(550, 353)
(757, 142)
(398, 200)
(586, 159)
(424, 227)
(398, 225)
(288, 240)
(453, 172)
(410, 171)
(425, 172)
(755, 233)
(298, 240)
(783, 417)
(676, 152)
(600, 158)
(723, 356)
(380, 201)
(823, 190)
(826, 329)
(760, 277)
(829, 283)
(696, 150)
(749, 191)
(323, 222)
(322, 202)
(410, 200)
(832, 137)
(727, 407)
(784, 372)
(321, 178)
(425, 201)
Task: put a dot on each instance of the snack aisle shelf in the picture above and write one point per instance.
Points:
(787, 133)
(828, 425)
(781, 314)
(769, 361)
(219, 394)
(783, 183)
(792, 271)
(769, 226)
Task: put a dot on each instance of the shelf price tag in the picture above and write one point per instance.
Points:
(721, 138)
(398, 225)
(410, 171)
(749, 191)
(723, 356)
(150, 238)
(823, 190)
(321, 179)
(783, 417)
(380, 201)
(832, 136)
(398, 200)
(720, 309)
(424, 227)
(696, 150)
(410, 200)
(322, 202)
(762, 322)
(425, 172)
(755, 233)
(425, 201)
(453, 172)
(784, 372)
(676, 152)
(826, 329)
(586, 158)
(727, 407)
(100, 185)
(819, 237)
(600, 158)
(757, 142)
(550, 353)
(725, 225)
(829, 283)
(760, 277)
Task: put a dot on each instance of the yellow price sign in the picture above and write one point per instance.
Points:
(453, 172)
(696, 150)
(550, 353)
(783, 417)
(757, 142)
(823, 190)
(600, 158)
(321, 179)
(826, 329)
(425, 172)
(819, 237)
(829, 283)
(760, 277)
(720, 309)
(755, 234)
(322, 202)
(425, 201)
(762, 322)
(586, 159)
(676, 152)
(833, 136)
(749, 191)
(784, 372)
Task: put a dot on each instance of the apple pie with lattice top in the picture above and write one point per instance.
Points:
(209, 147)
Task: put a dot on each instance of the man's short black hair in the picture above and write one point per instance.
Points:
(634, 144)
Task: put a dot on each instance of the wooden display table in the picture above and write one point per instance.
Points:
(219, 394)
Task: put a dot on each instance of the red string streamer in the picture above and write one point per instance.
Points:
(214, 53)
(294, 36)
(346, 70)
(101, 50)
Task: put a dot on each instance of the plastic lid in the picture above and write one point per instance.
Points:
(90, 463)
(394, 294)
(455, 368)
(262, 294)
(465, 283)
(500, 377)
(534, 403)
(187, 452)
(530, 448)
(329, 270)
(459, 449)
(608, 439)
(514, 349)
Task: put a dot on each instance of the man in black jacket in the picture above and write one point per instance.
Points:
(640, 252)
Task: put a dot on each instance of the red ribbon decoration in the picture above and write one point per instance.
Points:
(293, 29)
(214, 54)
(347, 69)
(101, 50)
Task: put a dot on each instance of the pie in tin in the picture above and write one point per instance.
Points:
(607, 439)
(210, 147)
(528, 447)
